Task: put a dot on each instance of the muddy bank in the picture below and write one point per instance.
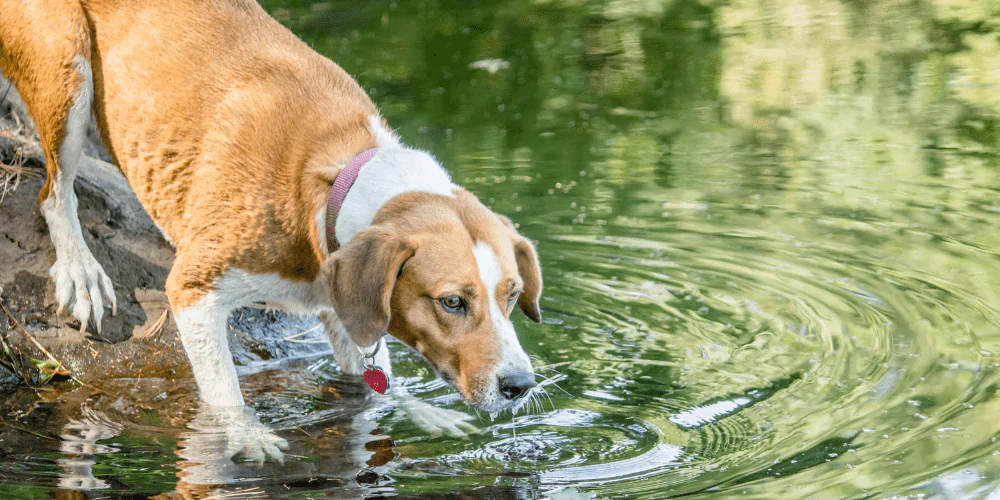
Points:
(141, 340)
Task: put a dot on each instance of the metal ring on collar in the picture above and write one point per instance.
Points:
(378, 345)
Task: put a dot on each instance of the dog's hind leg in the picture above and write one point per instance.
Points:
(81, 282)
(45, 51)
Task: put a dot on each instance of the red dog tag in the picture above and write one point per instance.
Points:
(376, 379)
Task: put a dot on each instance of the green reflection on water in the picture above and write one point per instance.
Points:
(784, 210)
(769, 234)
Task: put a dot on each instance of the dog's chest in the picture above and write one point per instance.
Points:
(240, 288)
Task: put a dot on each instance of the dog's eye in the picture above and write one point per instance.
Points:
(453, 304)
(513, 299)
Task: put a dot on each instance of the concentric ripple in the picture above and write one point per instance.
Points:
(699, 357)
(770, 241)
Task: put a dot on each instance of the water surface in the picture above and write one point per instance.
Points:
(769, 235)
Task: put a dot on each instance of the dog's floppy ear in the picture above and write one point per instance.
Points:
(530, 271)
(362, 275)
(531, 274)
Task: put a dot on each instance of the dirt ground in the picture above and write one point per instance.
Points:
(141, 339)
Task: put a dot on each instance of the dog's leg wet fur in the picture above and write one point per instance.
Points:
(202, 329)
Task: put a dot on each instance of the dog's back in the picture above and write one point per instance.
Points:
(169, 77)
(200, 103)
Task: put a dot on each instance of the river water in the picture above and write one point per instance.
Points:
(769, 233)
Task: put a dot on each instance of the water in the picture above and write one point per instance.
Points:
(769, 234)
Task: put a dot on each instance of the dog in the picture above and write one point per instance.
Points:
(234, 134)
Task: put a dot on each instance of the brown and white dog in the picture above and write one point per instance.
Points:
(231, 131)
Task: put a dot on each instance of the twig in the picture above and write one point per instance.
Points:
(69, 373)
(22, 429)
(32, 338)
(156, 328)
(313, 329)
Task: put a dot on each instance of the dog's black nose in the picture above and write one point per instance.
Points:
(517, 384)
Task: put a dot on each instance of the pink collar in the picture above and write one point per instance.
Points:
(338, 192)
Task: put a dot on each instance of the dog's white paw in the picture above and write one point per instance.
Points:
(437, 421)
(243, 431)
(82, 284)
(255, 442)
(245, 435)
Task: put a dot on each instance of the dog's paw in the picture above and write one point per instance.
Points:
(245, 436)
(82, 284)
(437, 421)
(255, 443)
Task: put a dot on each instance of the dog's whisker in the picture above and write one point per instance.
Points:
(553, 365)
(564, 391)
(551, 380)
(557, 377)
(545, 393)
(527, 403)
(535, 404)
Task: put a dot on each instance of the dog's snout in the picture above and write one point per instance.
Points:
(517, 384)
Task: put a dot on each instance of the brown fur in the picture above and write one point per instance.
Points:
(231, 131)
(253, 141)
(44, 73)
(426, 255)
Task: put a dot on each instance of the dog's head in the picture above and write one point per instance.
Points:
(444, 274)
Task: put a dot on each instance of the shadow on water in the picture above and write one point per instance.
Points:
(769, 233)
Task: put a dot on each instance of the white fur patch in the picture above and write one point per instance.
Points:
(383, 137)
(203, 325)
(202, 328)
(320, 219)
(512, 356)
(394, 170)
(239, 288)
(346, 351)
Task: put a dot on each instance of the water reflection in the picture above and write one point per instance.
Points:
(80, 444)
(769, 233)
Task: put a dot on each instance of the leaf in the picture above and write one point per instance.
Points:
(47, 369)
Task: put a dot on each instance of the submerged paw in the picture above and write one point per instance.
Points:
(255, 443)
(437, 421)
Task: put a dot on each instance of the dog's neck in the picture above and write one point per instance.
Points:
(392, 171)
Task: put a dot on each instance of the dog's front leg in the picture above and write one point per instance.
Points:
(430, 418)
(202, 328)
